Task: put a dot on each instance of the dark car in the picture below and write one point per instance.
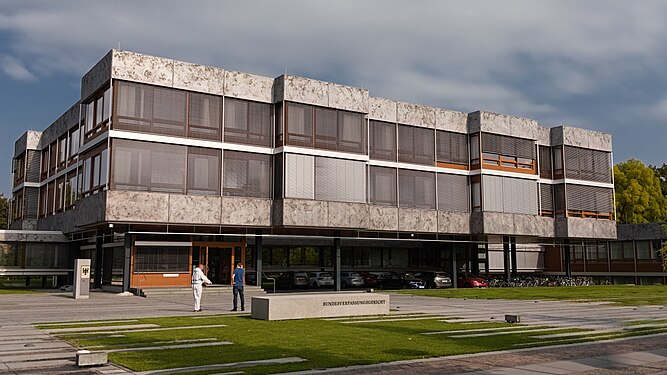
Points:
(468, 280)
(433, 280)
(394, 280)
(370, 279)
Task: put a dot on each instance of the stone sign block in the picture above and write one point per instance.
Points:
(86, 358)
(318, 305)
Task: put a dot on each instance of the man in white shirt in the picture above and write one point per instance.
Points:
(198, 278)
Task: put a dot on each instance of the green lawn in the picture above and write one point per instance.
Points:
(17, 291)
(323, 343)
(626, 295)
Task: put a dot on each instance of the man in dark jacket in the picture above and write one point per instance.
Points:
(239, 275)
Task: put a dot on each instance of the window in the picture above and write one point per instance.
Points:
(340, 180)
(246, 175)
(43, 194)
(73, 143)
(45, 164)
(204, 116)
(509, 195)
(299, 176)
(546, 200)
(416, 145)
(476, 192)
(147, 166)
(453, 192)
(162, 259)
(150, 109)
(508, 153)
(62, 151)
(53, 158)
(32, 169)
(382, 186)
(50, 196)
(452, 148)
(60, 194)
(299, 125)
(587, 164)
(622, 251)
(546, 166)
(474, 149)
(589, 201)
(97, 112)
(247, 122)
(19, 169)
(416, 189)
(382, 141)
(558, 162)
(203, 171)
(70, 189)
(644, 250)
(325, 128)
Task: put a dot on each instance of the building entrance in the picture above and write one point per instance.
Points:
(219, 259)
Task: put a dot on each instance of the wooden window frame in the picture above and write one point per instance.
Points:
(99, 125)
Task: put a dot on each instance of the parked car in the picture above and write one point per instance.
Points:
(351, 279)
(320, 279)
(394, 280)
(468, 280)
(434, 280)
(301, 279)
(370, 279)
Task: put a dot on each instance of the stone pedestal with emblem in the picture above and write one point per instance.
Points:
(81, 287)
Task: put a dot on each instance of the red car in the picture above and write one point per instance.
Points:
(468, 280)
(370, 279)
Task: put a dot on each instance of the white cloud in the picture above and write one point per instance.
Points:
(15, 69)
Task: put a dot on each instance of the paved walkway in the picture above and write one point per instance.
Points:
(24, 350)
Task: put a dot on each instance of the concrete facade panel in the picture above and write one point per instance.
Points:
(59, 127)
(306, 90)
(382, 218)
(347, 215)
(305, 213)
(575, 227)
(382, 109)
(97, 76)
(200, 78)
(415, 114)
(453, 222)
(136, 67)
(570, 136)
(532, 225)
(194, 209)
(131, 206)
(248, 86)
(452, 121)
(245, 211)
(417, 220)
(543, 136)
(348, 98)
(498, 223)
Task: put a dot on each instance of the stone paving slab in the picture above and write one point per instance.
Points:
(178, 346)
(60, 331)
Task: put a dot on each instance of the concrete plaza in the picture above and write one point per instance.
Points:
(25, 350)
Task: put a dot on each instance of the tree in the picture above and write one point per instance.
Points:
(4, 211)
(661, 172)
(639, 197)
(663, 249)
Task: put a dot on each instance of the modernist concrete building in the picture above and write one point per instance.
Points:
(164, 163)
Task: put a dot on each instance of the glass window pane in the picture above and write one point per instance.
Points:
(203, 171)
(246, 174)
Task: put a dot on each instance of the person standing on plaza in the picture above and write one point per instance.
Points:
(239, 275)
(198, 278)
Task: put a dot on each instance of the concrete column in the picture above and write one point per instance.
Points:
(506, 258)
(258, 258)
(515, 270)
(455, 268)
(27, 281)
(127, 272)
(99, 259)
(567, 260)
(474, 258)
(336, 263)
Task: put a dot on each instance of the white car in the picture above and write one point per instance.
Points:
(351, 279)
(320, 279)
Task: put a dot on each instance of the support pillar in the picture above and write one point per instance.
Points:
(567, 258)
(515, 270)
(127, 271)
(506, 258)
(474, 258)
(99, 259)
(336, 263)
(455, 268)
(258, 257)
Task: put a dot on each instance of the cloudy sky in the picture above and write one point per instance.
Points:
(593, 64)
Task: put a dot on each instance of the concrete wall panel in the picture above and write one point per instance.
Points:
(305, 213)
(59, 127)
(543, 136)
(246, 211)
(347, 215)
(306, 90)
(452, 121)
(415, 114)
(417, 220)
(382, 109)
(348, 98)
(575, 227)
(137, 67)
(130, 206)
(200, 78)
(453, 222)
(249, 86)
(97, 76)
(382, 218)
(194, 209)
